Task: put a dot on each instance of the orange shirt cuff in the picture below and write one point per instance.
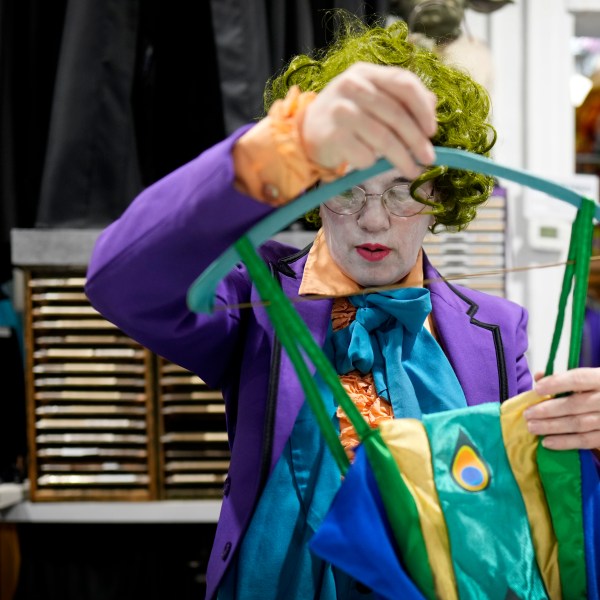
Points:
(270, 161)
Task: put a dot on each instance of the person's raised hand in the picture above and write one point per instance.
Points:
(369, 112)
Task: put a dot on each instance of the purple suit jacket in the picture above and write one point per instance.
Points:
(138, 277)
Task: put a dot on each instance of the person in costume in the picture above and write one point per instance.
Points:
(371, 94)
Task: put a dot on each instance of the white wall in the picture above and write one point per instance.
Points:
(530, 44)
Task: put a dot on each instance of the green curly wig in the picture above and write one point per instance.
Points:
(462, 109)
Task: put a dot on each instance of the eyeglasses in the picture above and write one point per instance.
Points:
(397, 200)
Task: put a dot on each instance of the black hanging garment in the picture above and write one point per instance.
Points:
(13, 438)
(136, 95)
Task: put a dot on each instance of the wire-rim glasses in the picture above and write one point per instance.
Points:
(397, 200)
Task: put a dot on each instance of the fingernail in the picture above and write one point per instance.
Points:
(533, 426)
(548, 443)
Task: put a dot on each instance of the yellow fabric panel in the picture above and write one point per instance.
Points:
(407, 441)
(521, 448)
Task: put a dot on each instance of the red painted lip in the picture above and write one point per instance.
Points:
(373, 252)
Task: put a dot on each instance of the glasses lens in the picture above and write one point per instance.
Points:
(348, 203)
(400, 203)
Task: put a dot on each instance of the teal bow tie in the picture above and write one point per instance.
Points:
(387, 339)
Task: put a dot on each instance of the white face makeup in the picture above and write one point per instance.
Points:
(373, 247)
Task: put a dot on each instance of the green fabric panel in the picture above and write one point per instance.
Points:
(560, 472)
(490, 539)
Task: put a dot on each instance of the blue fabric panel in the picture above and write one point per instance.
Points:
(355, 536)
(590, 495)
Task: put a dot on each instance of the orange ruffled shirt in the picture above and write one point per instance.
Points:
(271, 165)
(270, 160)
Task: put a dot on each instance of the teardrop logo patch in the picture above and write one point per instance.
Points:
(469, 470)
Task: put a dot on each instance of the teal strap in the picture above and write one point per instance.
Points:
(576, 270)
(202, 292)
(293, 332)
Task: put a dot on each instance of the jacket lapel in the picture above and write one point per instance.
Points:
(317, 315)
(472, 346)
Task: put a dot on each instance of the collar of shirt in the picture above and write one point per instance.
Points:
(322, 276)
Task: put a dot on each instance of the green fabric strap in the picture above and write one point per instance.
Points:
(577, 268)
(559, 472)
(582, 273)
(295, 336)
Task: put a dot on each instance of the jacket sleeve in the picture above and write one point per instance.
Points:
(143, 264)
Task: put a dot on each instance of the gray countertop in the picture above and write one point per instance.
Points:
(73, 247)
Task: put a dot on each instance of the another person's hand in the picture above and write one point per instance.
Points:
(368, 112)
(568, 422)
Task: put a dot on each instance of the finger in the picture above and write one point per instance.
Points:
(329, 136)
(357, 152)
(575, 380)
(583, 423)
(396, 119)
(363, 130)
(566, 405)
(576, 441)
(538, 375)
(359, 155)
(387, 144)
(407, 88)
(398, 125)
